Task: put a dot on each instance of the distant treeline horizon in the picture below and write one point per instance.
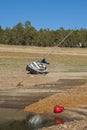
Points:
(26, 34)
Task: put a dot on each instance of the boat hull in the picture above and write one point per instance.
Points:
(38, 70)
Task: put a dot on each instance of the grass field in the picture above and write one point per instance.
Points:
(13, 61)
(70, 59)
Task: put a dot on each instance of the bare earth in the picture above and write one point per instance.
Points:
(13, 60)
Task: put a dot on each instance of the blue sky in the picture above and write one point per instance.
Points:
(52, 14)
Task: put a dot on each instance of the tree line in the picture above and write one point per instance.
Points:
(26, 34)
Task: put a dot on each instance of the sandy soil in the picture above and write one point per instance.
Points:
(14, 76)
(76, 125)
(69, 99)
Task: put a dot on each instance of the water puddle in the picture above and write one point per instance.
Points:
(32, 122)
(35, 121)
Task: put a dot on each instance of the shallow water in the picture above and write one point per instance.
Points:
(32, 121)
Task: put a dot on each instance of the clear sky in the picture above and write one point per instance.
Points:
(52, 14)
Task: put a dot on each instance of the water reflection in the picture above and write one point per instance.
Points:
(32, 122)
(38, 121)
(58, 121)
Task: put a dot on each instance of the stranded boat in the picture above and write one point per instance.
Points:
(36, 67)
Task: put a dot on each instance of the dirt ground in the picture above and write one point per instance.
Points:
(72, 65)
(13, 61)
(72, 98)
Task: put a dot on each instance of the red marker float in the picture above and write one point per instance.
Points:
(62, 108)
(58, 109)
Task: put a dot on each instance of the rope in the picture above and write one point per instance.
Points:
(60, 42)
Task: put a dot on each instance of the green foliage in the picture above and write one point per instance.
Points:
(26, 34)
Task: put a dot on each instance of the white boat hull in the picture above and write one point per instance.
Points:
(36, 68)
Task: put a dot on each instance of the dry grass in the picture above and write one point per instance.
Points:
(72, 58)
(13, 61)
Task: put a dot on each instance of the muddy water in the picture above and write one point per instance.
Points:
(34, 122)
(13, 101)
